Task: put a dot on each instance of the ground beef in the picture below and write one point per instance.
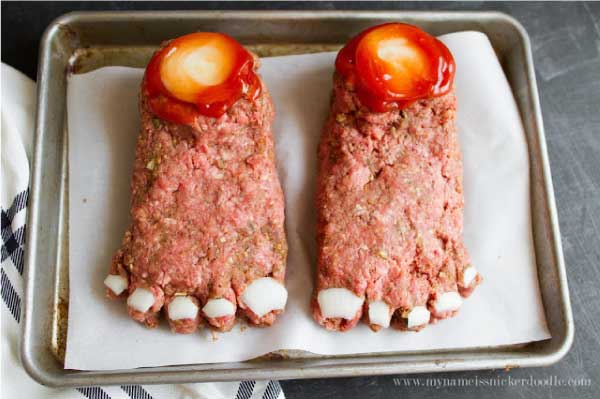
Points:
(390, 205)
(207, 210)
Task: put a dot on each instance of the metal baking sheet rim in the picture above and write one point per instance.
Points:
(49, 181)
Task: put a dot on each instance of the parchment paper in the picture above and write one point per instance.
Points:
(103, 124)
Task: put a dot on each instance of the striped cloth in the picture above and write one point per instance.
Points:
(17, 109)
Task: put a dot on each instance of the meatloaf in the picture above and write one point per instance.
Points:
(206, 239)
(390, 215)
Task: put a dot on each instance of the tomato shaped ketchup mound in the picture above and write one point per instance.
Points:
(389, 187)
(393, 65)
(206, 242)
(201, 73)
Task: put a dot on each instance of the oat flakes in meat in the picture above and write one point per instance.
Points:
(206, 239)
(389, 187)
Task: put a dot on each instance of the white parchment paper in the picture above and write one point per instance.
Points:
(103, 124)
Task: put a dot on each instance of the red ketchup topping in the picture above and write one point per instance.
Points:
(393, 65)
(201, 73)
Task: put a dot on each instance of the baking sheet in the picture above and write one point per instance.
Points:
(103, 123)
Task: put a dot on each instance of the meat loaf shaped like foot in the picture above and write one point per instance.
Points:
(206, 240)
(390, 213)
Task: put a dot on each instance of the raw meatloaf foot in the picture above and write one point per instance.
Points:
(206, 240)
(390, 209)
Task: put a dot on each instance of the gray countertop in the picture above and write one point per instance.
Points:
(566, 48)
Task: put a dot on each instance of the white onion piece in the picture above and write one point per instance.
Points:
(218, 308)
(141, 300)
(448, 301)
(116, 283)
(204, 65)
(418, 316)
(468, 275)
(265, 295)
(397, 51)
(339, 302)
(182, 307)
(379, 313)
